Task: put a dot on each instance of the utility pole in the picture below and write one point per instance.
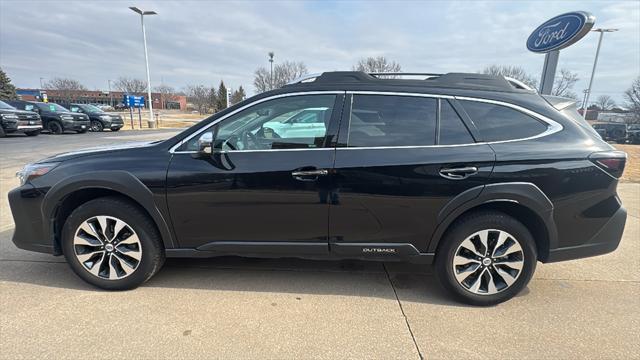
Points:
(271, 73)
(146, 59)
(110, 94)
(585, 104)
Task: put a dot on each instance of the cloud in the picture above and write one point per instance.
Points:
(204, 42)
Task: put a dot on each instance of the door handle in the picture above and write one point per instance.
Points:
(458, 173)
(309, 175)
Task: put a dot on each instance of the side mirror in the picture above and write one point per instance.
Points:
(205, 143)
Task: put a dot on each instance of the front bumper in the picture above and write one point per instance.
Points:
(77, 125)
(604, 241)
(31, 232)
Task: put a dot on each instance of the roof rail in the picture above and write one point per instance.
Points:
(430, 75)
(519, 84)
(305, 78)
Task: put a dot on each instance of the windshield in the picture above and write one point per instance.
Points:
(90, 108)
(51, 107)
(4, 105)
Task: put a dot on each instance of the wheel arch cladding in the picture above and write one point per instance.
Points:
(73, 191)
(523, 201)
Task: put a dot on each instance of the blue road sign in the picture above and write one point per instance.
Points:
(133, 101)
(560, 31)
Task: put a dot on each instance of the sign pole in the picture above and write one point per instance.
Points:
(549, 72)
(131, 116)
(139, 117)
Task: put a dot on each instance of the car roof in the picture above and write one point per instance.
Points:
(462, 81)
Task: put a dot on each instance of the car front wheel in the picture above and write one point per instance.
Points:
(110, 243)
(486, 258)
(96, 126)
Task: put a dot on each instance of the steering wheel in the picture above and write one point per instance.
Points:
(230, 142)
(248, 138)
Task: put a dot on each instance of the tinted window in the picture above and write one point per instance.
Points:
(381, 120)
(496, 122)
(452, 129)
(275, 124)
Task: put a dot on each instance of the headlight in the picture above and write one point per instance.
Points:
(9, 116)
(66, 117)
(105, 117)
(32, 171)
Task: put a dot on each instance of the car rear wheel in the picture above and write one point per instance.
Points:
(54, 127)
(486, 258)
(110, 243)
(96, 126)
(2, 133)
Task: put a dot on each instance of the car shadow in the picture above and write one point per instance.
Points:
(411, 282)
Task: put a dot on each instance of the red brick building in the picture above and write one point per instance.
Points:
(160, 101)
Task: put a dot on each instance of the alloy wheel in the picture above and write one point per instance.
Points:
(488, 262)
(107, 247)
(96, 126)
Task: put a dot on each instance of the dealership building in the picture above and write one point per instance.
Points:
(113, 98)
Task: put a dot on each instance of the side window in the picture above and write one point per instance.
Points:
(497, 122)
(75, 109)
(384, 120)
(29, 107)
(268, 125)
(452, 130)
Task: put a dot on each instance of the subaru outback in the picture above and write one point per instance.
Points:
(478, 175)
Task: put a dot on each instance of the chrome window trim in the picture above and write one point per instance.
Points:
(552, 126)
(205, 128)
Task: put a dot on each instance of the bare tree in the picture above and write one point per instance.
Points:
(167, 93)
(563, 84)
(605, 102)
(66, 88)
(632, 98)
(515, 72)
(130, 85)
(378, 64)
(283, 73)
(199, 96)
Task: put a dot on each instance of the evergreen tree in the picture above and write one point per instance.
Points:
(7, 90)
(221, 101)
(238, 96)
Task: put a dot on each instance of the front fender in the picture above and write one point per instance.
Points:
(122, 182)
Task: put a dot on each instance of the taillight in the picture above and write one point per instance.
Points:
(612, 162)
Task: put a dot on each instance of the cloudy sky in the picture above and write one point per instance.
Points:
(202, 42)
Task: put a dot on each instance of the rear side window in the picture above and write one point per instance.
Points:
(498, 123)
(452, 129)
(384, 120)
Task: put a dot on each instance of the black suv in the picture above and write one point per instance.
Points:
(13, 120)
(55, 118)
(99, 119)
(475, 173)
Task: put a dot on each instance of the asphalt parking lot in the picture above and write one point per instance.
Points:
(286, 308)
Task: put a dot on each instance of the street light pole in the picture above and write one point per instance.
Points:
(593, 72)
(146, 59)
(271, 73)
(110, 94)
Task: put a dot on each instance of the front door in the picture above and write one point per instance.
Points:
(400, 160)
(263, 189)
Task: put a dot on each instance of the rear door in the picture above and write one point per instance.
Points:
(399, 161)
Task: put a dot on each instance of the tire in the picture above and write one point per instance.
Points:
(33, 133)
(498, 281)
(2, 133)
(55, 127)
(96, 126)
(137, 238)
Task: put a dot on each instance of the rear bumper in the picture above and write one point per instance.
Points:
(604, 241)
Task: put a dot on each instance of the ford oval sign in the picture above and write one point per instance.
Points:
(560, 32)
